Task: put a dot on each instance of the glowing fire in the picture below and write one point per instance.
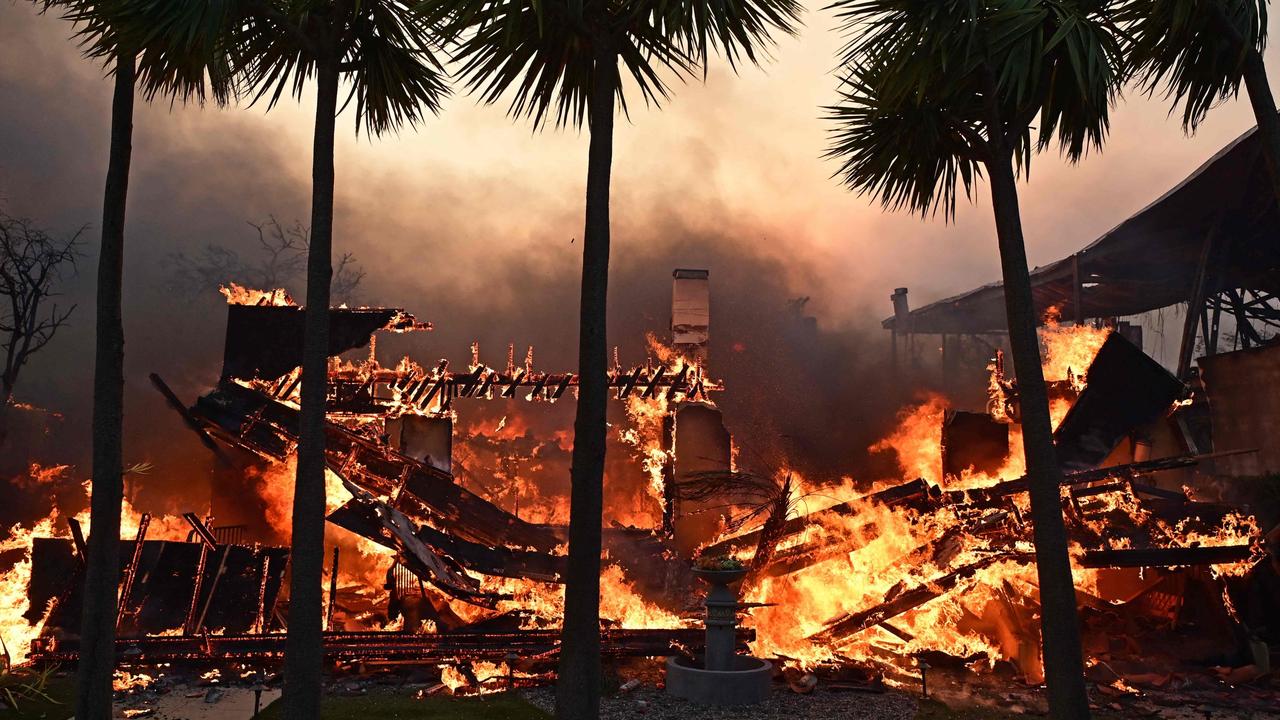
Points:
(875, 551)
(1069, 350)
(869, 552)
(16, 631)
(240, 295)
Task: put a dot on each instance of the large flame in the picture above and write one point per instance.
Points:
(15, 630)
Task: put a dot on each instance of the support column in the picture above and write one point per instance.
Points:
(1196, 303)
(1077, 306)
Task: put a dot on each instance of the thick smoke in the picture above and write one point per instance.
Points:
(474, 223)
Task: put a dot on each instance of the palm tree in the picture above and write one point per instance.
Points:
(384, 52)
(135, 60)
(936, 93)
(562, 58)
(1199, 51)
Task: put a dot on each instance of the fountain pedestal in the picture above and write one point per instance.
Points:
(724, 678)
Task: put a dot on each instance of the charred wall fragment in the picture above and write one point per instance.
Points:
(176, 586)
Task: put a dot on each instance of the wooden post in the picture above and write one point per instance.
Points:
(669, 497)
(260, 620)
(333, 591)
(1076, 305)
(77, 538)
(1196, 303)
(213, 588)
(946, 365)
(131, 572)
(1211, 345)
(189, 624)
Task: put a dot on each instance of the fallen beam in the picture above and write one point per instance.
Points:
(205, 439)
(255, 422)
(996, 494)
(854, 623)
(431, 647)
(915, 491)
(1166, 557)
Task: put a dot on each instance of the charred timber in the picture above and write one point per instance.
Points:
(361, 519)
(996, 494)
(908, 600)
(254, 422)
(433, 647)
(910, 493)
(1166, 557)
(357, 390)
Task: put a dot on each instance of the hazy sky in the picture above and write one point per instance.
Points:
(471, 215)
(741, 151)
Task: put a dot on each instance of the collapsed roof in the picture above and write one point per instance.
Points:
(1150, 260)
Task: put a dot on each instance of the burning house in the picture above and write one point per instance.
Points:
(448, 544)
(420, 544)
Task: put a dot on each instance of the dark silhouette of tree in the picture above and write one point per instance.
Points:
(32, 264)
(935, 93)
(384, 52)
(563, 58)
(137, 54)
(271, 48)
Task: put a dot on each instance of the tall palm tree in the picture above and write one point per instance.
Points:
(561, 58)
(150, 63)
(936, 93)
(384, 52)
(1199, 51)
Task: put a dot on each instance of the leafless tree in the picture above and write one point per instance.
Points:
(281, 261)
(32, 265)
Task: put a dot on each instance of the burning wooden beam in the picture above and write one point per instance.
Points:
(1166, 557)
(255, 422)
(851, 624)
(997, 494)
(910, 492)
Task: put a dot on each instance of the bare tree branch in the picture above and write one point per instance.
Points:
(32, 265)
(279, 260)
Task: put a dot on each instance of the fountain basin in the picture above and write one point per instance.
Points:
(749, 682)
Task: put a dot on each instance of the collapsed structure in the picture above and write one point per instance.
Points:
(431, 565)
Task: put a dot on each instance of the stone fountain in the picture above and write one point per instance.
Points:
(722, 677)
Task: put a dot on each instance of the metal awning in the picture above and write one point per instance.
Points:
(1150, 260)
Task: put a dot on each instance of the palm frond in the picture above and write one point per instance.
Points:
(908, 150)
(543, 54)
(386, 52)
(1086, 71)
(935, 88)
(396, 78)
(184, 49)
(741, 30)
(1192, 51)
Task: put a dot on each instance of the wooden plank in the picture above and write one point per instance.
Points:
(1166, 557)
(851, 624)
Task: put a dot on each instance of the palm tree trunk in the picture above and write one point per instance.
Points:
(1259, 89)
(1059, 620)
(102, 572)
(1059, 623)
(578, 684)
(304, 648)
(1264, 110)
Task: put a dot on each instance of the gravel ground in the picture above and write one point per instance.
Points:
(649, 703)
(192, 702)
